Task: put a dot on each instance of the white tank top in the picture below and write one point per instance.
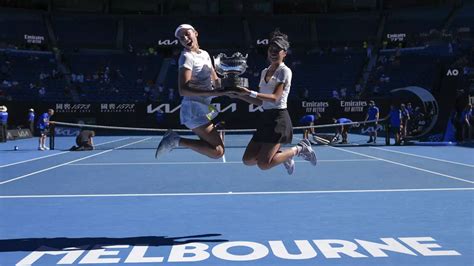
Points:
(200, 65)
(283, 75)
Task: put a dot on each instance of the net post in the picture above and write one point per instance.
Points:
(51, 136)
(387, 132)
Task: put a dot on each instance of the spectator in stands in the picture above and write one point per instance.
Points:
(161, 88)
(54, 74)
(171, 96)
(343, 93)
(335, 94)
(369, 49)
(80, 78)
(358, 88)
(306, 94)
(43, 76)
(31, 120)
(395, 117)
(146, 91)
(43, 127)
(3, 123)
(372, 115)
(384, 78)
(450, 48)
(195, 78)
(42, 92)
(376, 90)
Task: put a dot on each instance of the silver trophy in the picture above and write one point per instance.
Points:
(229, 68)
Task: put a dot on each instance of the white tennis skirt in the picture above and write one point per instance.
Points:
(194, 114)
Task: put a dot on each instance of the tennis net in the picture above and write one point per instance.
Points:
(63, 135)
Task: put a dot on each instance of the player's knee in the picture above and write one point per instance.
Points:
(218, 152)
(249, 161)
(263, 165)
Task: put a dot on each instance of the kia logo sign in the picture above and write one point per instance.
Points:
(167, 42)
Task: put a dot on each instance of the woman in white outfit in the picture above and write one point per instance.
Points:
(195, 78)
(275, 127)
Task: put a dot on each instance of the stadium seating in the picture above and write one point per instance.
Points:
(146, 31)
(24, 23)
(116, 77)
(85, 31)
(346, 29)
(318, 58)
(465, 18)
(25, 68)
(416, 20)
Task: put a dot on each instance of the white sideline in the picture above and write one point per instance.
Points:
(406, 165)
(42, 157)
(424, 157)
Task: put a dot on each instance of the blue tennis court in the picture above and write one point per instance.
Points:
(367, 205)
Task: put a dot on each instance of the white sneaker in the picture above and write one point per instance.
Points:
(40, 148)
(45, 148)
(289, 165)
(169, 141)
(307, 153)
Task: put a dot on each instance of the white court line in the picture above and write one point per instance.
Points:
(77, 160)
(34, 159)
(237, 193)
(38, 158)
(230, 162)
(406, 165)
(425, 157)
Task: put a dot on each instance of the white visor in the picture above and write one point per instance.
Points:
(182, 26)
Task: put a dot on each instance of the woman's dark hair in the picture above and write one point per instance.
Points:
(279, 39)
(278, 33)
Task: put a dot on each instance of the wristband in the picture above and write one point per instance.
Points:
(253, 94)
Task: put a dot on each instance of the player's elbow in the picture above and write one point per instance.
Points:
(274, 99)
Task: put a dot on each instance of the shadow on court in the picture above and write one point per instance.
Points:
(90, 243)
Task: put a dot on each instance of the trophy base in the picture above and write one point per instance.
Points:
(234, 82)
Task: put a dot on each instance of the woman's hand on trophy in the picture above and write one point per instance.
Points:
(233, 95)
(219, 92)
(241, 90)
